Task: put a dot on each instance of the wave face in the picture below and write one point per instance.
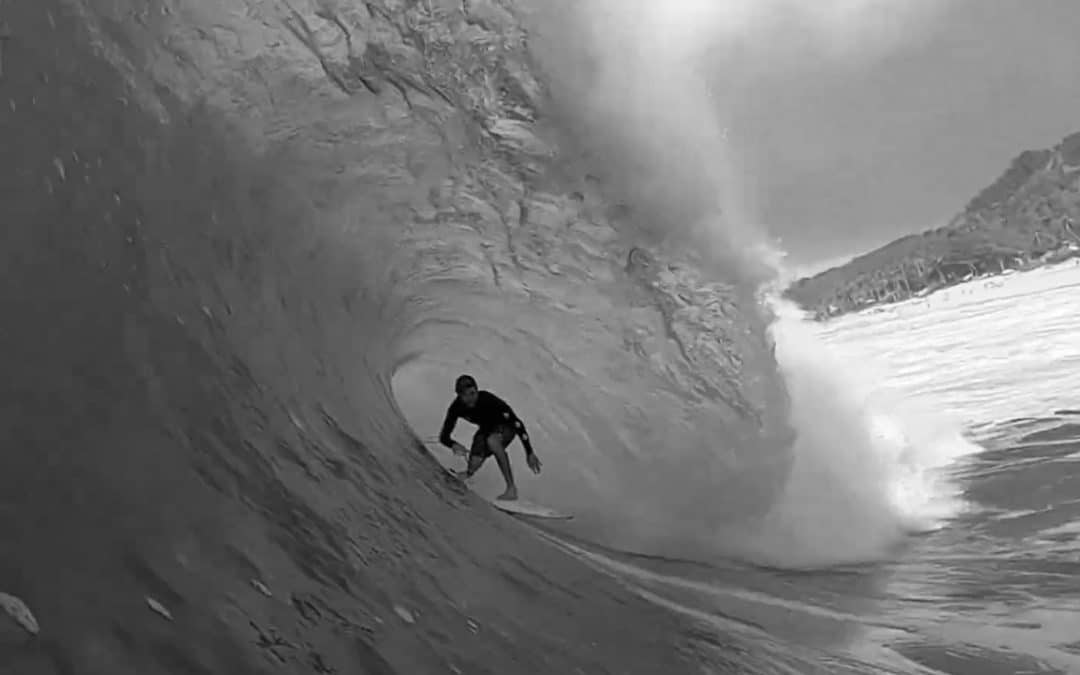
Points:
(246, 249)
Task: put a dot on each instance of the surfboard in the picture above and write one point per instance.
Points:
(523, 508)
(517, 507)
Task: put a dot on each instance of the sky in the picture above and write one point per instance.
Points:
(884, 117)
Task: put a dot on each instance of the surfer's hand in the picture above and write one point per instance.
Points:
(460, 450)
(533, 461)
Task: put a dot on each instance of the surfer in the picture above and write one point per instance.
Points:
(497, 426)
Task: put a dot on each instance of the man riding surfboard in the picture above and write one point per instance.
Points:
(497, 426)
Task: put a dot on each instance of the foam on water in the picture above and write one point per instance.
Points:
(883, 399)
(866, 468)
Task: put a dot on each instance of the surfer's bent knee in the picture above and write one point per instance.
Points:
(495, 443)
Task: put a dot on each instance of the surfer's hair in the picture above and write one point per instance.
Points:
(464, 382)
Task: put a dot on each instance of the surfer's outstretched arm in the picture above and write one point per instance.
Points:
(449, 423)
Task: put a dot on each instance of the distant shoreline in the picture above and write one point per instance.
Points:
(1026, 219)
(926, 295)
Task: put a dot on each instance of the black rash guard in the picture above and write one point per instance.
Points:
(489, 413)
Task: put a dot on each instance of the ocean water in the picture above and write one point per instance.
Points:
(236, 287)
(988, 587)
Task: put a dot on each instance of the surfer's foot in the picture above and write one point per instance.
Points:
(460, 474)
(508, 496)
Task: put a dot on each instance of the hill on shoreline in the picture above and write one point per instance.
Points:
(1028, 217)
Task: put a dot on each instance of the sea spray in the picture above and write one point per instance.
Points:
(865, 471)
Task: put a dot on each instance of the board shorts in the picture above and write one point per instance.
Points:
(480, 447)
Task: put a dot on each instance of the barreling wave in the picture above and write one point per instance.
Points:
(683, 408)
(251, 249)
(662, 454)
